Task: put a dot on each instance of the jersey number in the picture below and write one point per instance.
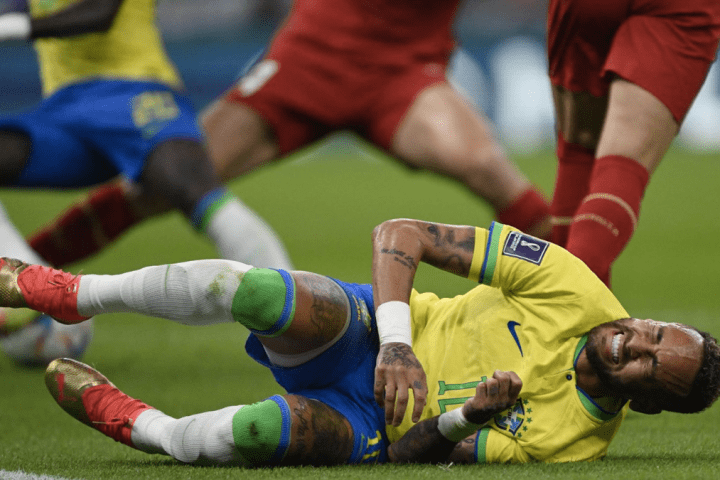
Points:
(446, 387)
(152, 107)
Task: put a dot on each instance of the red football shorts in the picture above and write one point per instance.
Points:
(664, 46)
(305, 94)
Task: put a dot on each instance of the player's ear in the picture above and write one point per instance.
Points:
(645, 406)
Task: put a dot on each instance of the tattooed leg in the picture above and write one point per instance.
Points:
(322, 314)
(319, 435)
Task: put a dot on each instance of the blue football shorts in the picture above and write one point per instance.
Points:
(342, 377)
(89, 132)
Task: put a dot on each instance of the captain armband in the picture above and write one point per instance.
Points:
(455, 427)
(393, 322)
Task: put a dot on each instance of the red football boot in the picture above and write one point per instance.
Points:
(89, 396)
(44, 289)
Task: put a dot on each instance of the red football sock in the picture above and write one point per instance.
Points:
(527, 213)
(575, 165)
(86, 227)
(607, 217)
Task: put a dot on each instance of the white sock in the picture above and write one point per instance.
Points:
(13, 244)
(205, 438)
(241, 235)
(193, 293)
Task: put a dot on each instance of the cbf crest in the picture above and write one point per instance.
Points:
(516, 419)
(363, 313)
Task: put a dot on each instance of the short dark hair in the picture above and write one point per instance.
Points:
(706, 386)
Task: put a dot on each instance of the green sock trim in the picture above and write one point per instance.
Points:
(261, 431)
(265, 301)
(212, 209)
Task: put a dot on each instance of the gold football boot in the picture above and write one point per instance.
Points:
(89, 396)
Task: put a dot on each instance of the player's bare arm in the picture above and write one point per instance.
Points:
(400, 245)
(86, 16)
(444, 438)
(398, 248)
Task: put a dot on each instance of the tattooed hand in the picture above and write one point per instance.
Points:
(492, 396)
(396, 372)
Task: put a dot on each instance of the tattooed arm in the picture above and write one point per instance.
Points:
(398, 247)
(424, 442)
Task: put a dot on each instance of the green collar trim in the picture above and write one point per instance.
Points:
(590, 404)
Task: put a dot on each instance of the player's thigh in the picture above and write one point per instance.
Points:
(14, 154)
(442, 132)
(579, 115)
(637, 125)
(319, 434)
(321, 312)
(648, 97)
(57, 157)
(238, 138)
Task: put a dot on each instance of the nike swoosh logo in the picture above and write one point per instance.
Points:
(511, 326)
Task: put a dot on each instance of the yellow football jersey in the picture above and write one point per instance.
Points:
(531, 314)
(132, 49)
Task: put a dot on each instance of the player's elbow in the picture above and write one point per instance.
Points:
(392, 228)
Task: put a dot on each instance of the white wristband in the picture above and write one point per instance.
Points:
(15, 26)
(455, 427)
(393, 321)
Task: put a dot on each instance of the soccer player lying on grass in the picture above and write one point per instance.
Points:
(538, 362)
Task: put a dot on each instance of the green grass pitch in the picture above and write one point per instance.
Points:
(324, 203)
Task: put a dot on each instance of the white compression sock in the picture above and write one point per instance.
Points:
(194, 293)
(13, 244)
(241, 235)
(205, 438)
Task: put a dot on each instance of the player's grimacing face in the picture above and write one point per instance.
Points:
(635, 357)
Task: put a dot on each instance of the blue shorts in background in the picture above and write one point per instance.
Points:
(89, 132)
(342, 377)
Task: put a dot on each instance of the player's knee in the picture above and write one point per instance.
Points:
(180, 172)
(261, 431)
(265, 301)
